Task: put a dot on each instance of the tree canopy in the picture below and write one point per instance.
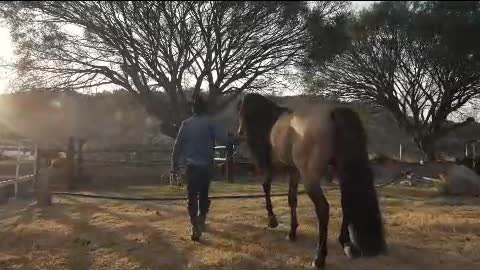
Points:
(158, 49)
(419, 60)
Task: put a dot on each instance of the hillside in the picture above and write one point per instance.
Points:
(50, 118)
(384, 135)
(116, 119)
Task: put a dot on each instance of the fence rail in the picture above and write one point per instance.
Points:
(19, 147)
(126, 150)
(136, 155)
(16, 181)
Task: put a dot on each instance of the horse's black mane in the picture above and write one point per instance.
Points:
(259, 115)
(260, 104)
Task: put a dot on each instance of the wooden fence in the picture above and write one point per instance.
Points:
(72, 157)
(77, 157)
(18, 160)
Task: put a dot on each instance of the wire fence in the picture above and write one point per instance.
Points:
(226, 157)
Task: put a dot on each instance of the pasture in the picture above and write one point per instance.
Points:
(424, 231)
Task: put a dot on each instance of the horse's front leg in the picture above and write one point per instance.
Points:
(267, 185)
(292, 202)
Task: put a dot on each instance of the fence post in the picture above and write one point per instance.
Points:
(17, 171)
(400, 152)
(35, 167)
(35, 163)
(229, 161)
(70, 163)
(44, 196)
(79, 159)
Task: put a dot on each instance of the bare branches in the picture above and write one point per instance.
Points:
(229, 47)
(397, 62)
(243, 42)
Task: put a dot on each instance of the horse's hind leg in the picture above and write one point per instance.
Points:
(344, 238)
(267, 185)
(322, 208)
(292, 202)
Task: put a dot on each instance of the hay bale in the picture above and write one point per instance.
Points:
(461, 180)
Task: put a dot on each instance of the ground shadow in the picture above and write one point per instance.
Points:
(141, 239)
(399, 256)
(454, 201)
(86, 238)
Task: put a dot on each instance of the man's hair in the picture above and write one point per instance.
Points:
(199, 105)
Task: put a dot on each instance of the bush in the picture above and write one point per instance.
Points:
(460, 180)
(381, 159)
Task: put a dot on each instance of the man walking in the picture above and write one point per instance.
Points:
(195, 143)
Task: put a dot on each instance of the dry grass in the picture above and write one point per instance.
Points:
(424, 232)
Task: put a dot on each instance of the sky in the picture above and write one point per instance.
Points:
(6, 55)
(361, 4)
(7, 48)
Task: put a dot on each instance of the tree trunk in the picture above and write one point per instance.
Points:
(170, 116)
(427, 145)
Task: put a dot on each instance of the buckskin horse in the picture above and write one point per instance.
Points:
(304, 143)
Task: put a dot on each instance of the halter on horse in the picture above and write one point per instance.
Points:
(304, 143)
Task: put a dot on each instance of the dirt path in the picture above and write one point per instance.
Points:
(423, 233)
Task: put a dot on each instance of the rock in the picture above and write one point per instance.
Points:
(81, 241)
(461, 180)
(133, 248)
(406, 183)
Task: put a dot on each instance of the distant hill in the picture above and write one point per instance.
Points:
(384, 135)
(116, 119)
(102, 119)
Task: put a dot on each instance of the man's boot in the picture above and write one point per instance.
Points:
(201, 222)
(196, 230)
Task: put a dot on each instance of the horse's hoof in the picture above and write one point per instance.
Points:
(292, 237)
(272, 222)
(318, 263)
(350, 251)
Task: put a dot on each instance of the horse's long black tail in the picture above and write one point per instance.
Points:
(359, 197)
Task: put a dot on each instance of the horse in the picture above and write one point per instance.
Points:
(304, 143)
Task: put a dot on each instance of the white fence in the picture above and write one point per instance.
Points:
(17, 153)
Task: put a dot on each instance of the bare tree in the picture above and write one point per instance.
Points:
(244, 41)
(141, 47)
(156, 49)
(402, 59)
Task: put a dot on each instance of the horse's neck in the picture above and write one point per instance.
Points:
(279, 111)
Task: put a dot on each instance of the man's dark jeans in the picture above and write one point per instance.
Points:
(198, 183)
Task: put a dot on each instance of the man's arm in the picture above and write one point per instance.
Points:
(178, 147)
